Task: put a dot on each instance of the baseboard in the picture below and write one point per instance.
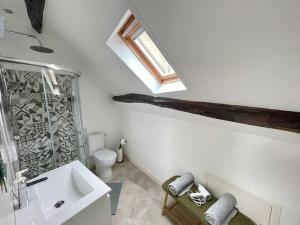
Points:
(142, 168)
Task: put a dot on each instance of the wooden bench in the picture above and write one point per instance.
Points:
(186, 212)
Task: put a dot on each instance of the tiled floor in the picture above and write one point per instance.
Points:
(141, 198)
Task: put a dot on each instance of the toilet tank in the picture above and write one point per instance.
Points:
(95, 141)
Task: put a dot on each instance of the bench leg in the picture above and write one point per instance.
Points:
(164, 204)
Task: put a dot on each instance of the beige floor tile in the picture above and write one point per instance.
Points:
(140, 200)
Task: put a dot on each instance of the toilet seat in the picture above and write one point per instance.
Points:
(105, 155)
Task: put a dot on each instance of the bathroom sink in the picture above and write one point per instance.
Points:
(69, 195)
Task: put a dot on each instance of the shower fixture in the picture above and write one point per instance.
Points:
(41, 49)
(38, 48)
(51, 80)
(8, 11)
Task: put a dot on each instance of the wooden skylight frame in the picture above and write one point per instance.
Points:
(126, 33)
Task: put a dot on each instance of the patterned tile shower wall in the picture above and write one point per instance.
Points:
(30, 122)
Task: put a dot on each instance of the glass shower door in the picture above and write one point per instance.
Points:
(6, 149)
(64, 127)
(6, 156)
(81, 133)
(29, 121)
(46, 127)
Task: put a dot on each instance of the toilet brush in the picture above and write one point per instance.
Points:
(120, 150)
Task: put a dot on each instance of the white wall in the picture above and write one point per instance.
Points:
(263, 161)
(99, 112)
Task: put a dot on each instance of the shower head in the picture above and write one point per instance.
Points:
(9, 11)
(38, 48)
(41, 49)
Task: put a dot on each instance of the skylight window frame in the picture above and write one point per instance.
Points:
(127, 33)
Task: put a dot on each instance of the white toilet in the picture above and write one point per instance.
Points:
(104, 158)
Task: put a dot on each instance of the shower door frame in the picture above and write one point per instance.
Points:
(54, 67)
(74, 75)
(6, 132)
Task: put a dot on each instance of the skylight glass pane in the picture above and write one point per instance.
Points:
(153, 54)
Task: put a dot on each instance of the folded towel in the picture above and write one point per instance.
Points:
(178, 185)
(186, 189)
(204, 193)
(230, 216)
(220, 210)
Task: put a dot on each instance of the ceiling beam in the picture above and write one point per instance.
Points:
(262, 117)
(35, 11)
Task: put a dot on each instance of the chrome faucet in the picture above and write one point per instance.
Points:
(21, 196)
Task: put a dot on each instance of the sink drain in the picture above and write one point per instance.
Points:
(59, 204)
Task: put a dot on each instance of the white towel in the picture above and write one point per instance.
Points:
(204, 193)
(218, 213)
(186, 189)
(180, 183)
(230, 216)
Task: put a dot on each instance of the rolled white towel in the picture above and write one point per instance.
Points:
(178, 185)
(204, 193)
(218, 213)
(230, 216)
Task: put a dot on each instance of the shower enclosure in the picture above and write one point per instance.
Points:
(41, 109)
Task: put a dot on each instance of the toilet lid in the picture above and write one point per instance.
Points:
(105, 154)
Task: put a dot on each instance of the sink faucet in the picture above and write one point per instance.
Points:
(21, 196)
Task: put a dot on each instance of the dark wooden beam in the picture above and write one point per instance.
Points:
(35, 11)
(271, 118)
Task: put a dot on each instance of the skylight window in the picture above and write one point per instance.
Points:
(137, 39)
(143, 56)
(147, 46)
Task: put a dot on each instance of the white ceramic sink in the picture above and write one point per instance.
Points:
(77, 187)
